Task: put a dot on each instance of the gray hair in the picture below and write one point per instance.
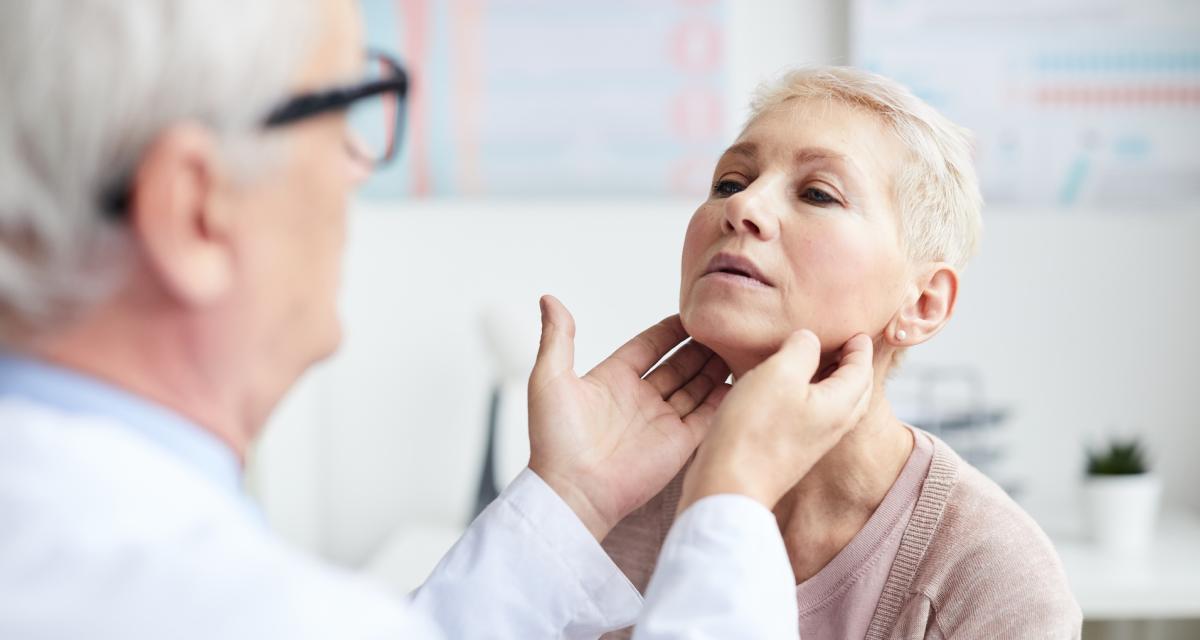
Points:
(937, 191)
(88, 85)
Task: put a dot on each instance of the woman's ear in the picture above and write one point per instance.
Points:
(925, 313)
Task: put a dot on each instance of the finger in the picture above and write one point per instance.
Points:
(864, 352)
(556, 352)
(855, 373)
(699, 422)
(649, 346)
(796, 361)
(686, 399)
(682, 366)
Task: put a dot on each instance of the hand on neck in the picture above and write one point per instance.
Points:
(829, 506)
(822, 513)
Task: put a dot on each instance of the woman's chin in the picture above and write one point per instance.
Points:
(732, 336)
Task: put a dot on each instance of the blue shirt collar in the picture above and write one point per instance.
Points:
(75, 392)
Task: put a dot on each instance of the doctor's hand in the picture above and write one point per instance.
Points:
(609, 441)
(776, 422)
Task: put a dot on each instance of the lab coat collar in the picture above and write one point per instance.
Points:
(75, 392)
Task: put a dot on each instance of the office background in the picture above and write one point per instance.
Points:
(1079, 317)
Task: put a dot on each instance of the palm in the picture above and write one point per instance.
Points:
(620, 437)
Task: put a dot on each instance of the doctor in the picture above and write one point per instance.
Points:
(173, 185)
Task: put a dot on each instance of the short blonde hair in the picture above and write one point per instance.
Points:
(937, 192)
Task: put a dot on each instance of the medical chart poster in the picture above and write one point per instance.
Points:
(601, 98)
(1089, 103)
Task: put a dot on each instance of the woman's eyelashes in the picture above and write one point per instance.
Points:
(726, 187)
(818, 196)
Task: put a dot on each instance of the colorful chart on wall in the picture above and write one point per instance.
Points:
(1074, 102)
(607, 98)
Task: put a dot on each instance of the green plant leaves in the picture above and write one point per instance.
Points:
(1120, 458)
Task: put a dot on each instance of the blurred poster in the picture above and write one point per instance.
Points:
(606, 98)
(1073, 102)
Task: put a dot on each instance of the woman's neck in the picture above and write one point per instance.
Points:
(822, 513)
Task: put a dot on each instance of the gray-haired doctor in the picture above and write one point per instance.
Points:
(173, 185)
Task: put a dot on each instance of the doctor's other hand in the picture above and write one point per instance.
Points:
(609, 441)
(776, 422)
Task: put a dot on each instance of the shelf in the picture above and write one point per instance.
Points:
(1164, 582)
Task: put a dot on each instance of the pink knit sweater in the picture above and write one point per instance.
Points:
(970, 564)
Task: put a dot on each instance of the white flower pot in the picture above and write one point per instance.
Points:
(1122, 510)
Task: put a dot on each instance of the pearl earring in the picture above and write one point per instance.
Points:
(901, 335)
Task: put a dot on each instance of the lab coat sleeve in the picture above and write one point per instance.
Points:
(723, 572)
(527, 568)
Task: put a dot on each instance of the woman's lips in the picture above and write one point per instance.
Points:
(736, 269)
(734, 280)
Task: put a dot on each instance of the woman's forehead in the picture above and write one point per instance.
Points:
(800, 132)
(830, 126)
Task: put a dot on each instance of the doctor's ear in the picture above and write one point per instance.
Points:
(178, 217)
(927, 310)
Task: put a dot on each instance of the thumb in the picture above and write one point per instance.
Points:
(797, 360)
(849, 388)
(556, 352)
(855, 370)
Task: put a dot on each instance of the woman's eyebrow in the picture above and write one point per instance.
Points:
(806, 155)
(748, 150)
(842, 163)
(812, 154)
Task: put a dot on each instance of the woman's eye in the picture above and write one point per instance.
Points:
(726, 188)
(818, 196)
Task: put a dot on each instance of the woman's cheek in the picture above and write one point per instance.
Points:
(695, 242)
(833, 283)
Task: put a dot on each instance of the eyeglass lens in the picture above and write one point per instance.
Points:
(374, 121)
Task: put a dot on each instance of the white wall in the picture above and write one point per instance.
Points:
(767, 37)
(1085, 323)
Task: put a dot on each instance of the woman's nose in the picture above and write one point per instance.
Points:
(750, 212)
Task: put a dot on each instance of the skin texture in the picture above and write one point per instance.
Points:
(609, 441)
(806, 196)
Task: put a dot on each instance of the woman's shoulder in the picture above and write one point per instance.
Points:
(987, 564)
(980, 522)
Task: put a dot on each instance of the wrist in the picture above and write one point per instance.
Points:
(710, 478)
(577, 500)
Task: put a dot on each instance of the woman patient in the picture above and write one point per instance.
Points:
(848, 206)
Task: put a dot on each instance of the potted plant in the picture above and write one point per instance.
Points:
(1121, 496)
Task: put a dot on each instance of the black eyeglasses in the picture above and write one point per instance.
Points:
(375, 106)
(375, 118)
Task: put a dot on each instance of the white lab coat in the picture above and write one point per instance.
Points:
(104, 534)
